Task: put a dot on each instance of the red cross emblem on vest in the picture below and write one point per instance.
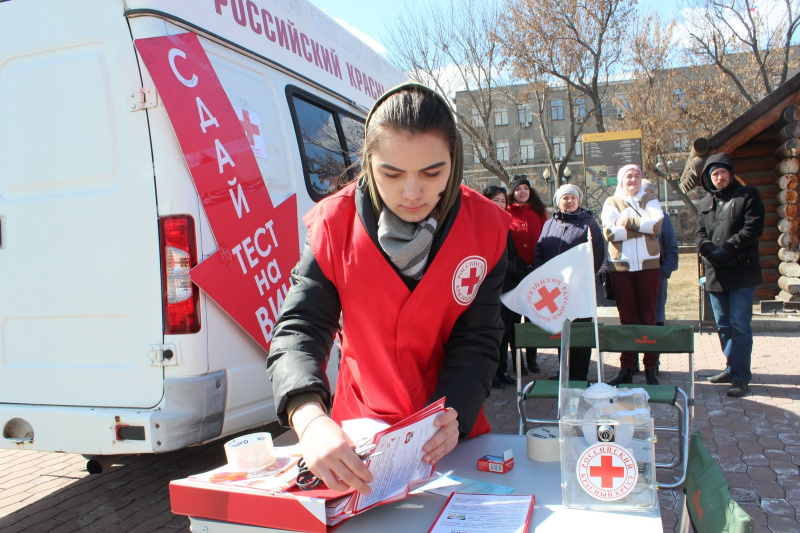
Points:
(467, 278)
(471, 281)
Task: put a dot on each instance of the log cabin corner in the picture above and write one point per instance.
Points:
(764, 143)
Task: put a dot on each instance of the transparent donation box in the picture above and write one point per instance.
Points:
(607, 449)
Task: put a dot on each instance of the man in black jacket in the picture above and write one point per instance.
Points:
(729, 224)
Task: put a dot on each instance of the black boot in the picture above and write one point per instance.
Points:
(722, 377)
(635, 368)
(625, 376)
(532, 366)
(650, 377)
(498, 383)
(579, 374)
(738, 389)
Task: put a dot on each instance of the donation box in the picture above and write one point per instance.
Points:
(607, 449)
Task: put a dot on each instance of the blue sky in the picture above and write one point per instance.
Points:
(370, 24)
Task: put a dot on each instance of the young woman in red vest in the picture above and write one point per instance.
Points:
(528, 217)
(414, 263)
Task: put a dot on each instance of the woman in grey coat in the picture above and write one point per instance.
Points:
(569, 227)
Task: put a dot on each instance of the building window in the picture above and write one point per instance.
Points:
(580, 110)
(579, 145)
(526, 149)
(525, 115)
(559, 148)
(622, 107)
(557, 110)
(477, 119)
(478, 153)
(684, 222)
(503, 150)
(680, 141)
(501, 116)
(680, 97)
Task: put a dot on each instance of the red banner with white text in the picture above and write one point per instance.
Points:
(248, 276)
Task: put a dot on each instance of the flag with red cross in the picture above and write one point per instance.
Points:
(561, 289)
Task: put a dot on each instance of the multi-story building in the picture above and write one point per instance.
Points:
(519, 141)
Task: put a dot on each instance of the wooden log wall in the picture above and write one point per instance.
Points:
(787, 141)
(754, 164)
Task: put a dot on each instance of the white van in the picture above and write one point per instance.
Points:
(101, 352)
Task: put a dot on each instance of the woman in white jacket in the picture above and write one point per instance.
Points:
(631, 222)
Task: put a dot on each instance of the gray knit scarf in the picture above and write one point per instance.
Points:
(406, 243)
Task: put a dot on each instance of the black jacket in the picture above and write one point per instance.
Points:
(567, 230)
(309, 320)
(517, 267)
(731, 220)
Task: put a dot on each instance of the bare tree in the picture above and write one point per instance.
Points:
(578, 43)
(449, 46)
(673, 105)
(750, 42)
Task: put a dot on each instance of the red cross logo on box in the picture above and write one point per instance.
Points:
(607, 472)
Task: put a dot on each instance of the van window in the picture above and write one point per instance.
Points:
(354, 135)
(329, 144)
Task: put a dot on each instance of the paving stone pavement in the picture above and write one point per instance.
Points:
(755, 439)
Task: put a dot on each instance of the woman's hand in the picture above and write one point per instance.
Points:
(328, 452)
(445, 439)
(622, 222)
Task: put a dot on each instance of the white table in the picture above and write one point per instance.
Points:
(417, 513)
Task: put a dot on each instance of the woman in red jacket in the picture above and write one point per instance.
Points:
(528, 217)
(414, 264)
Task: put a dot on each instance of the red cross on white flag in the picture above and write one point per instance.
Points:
(561, 289)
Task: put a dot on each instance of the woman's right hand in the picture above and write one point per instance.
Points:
(328, 453)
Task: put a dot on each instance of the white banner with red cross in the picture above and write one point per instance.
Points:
(561, 289)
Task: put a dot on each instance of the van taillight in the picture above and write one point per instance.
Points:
(181, 297)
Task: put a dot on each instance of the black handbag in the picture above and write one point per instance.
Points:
(608, 288)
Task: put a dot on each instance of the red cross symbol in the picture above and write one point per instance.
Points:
(471, 281)
(250, 129)
(548, 299)
(607, 471)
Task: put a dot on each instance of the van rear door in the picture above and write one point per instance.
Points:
(80, 284)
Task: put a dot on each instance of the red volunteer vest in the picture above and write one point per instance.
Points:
(393, 340)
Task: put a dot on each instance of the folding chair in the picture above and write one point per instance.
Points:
(708, 506)
(529, 336)
(665, 339)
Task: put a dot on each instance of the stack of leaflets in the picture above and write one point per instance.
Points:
(270, 497)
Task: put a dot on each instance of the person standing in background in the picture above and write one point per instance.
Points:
(517, 269)
(729, 224)
(669, 263)
(632, 220)
(669, 258)
(528, 216)
(568, 228)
